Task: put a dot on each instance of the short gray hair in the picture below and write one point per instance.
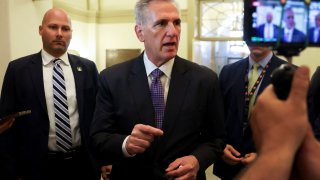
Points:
(142, 7)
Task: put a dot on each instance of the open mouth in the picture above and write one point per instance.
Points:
(169, 44)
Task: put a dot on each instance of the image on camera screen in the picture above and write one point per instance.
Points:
(270, 22)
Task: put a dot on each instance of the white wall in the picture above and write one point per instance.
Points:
(5, 38)
(115, 36)
(25, 18)
(84, 39)
(309, 57)
(19, 36)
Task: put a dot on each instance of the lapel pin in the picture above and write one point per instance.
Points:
(79, 68)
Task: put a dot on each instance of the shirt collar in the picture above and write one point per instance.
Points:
(269, 24)
(263, 62)
(166, 68)
(47, 58)
(286, 30)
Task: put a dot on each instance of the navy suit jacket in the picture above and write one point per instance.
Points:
(261, 31)
(311, 35)
(297, 36)
(232, 79)
(24, 147)
(193, 120)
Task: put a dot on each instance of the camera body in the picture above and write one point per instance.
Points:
(281, 79)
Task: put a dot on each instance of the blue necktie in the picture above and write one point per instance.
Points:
(157, 97)
(61, 113)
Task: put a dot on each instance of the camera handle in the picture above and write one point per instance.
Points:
(288, 52)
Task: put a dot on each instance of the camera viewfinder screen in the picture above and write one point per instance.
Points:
(269, 21)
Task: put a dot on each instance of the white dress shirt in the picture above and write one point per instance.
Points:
(268, 30)
(288, 34)
(47, 63)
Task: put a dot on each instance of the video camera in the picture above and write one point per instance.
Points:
(288, 26)
(297, 17)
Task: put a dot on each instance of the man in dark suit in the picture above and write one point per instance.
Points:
(31, 149)
(237, 95)
(188, 136)
(314, 32)
(289, 32)
(268, 30)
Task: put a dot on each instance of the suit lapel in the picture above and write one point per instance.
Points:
(78, 70)
(241, 77)
(36, 72)
(138, 86)
(177, 91)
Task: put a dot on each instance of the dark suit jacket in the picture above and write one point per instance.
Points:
(193, 120)
(311, 35)
(314, 103)
(261, 31)
(232, 82)
(297, 36)
(24, 147)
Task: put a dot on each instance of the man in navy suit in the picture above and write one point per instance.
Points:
(28, 150)
(235, 90)
(124, 128)
(289, 32)
(268, 30)
(314, 32)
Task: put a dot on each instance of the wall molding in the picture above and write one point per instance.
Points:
(103, 17)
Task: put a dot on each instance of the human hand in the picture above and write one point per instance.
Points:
(281, 124)
(183, 168)
(249, 158)
(306, 160)
(279, 128)
(105, 172)
(141, 138)
(6, 124)
(231, 156)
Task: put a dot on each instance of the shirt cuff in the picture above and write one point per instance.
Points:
(124, 150)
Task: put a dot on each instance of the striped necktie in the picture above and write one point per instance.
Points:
(61, 113)
(157, 96)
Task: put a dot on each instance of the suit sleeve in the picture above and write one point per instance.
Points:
(213, 130)
(7, 93)
(7, 141)
(103, 121)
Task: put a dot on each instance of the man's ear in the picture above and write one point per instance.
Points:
(40, 30)
(139, 32)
